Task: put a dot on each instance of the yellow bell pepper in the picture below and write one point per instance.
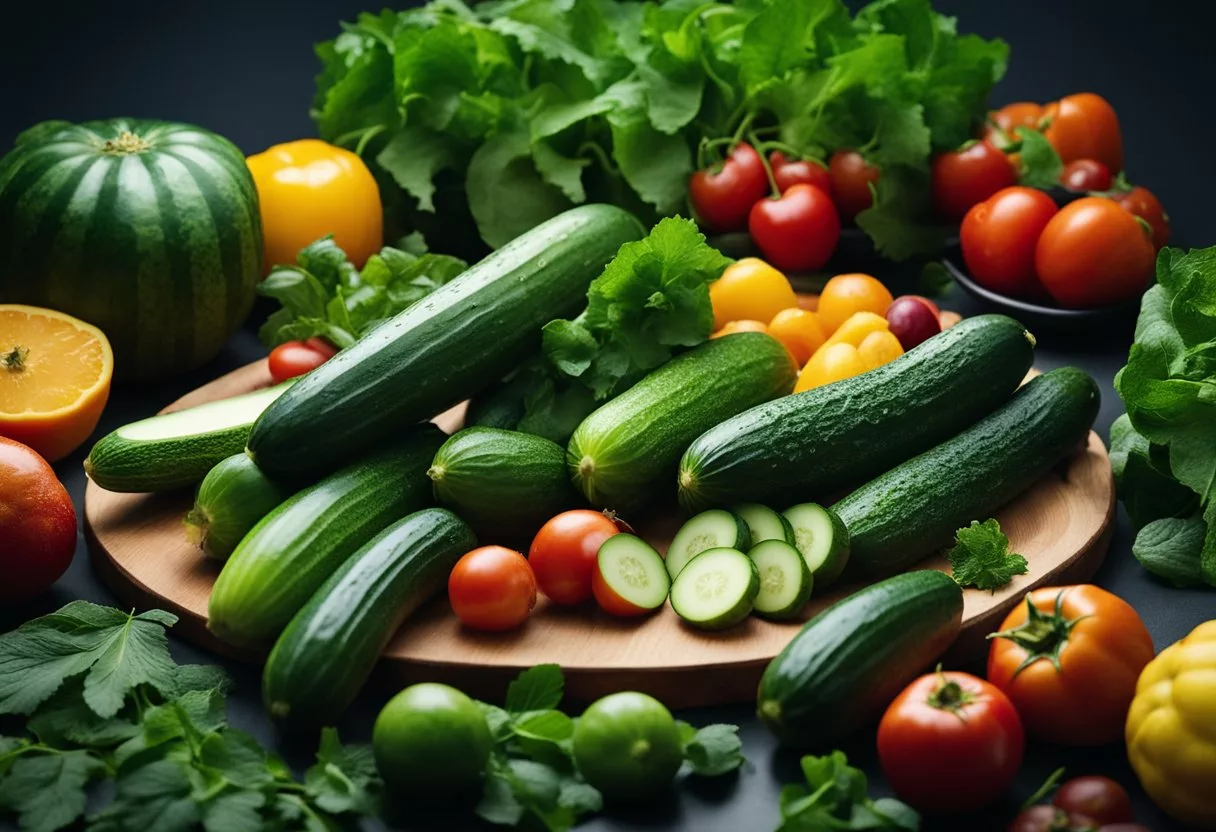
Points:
(856, 328)
(831, 362)
(879, 348)
(1171, 729)
(308, 189)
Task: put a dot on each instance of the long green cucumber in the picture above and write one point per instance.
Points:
(328, 650)
(231, 499)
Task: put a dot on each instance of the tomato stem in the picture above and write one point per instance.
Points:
(949, 695)
(768, 171)
(1043, 636)
(15, 361)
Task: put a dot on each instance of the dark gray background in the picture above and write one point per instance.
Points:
(245, 69)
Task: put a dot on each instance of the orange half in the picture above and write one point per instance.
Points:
(54, 379)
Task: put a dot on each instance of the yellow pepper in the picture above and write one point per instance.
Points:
(856, 328)
(1171, 729)
(831, 362)
(308, 189)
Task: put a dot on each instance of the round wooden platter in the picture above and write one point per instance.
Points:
(1061, 525)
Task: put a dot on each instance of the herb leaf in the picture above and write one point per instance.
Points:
(538, 688)
(981, 557)
(47, 790)
(714, 750)
(836, 797)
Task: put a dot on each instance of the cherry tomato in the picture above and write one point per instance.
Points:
(1093, 253)
(750, 290)
(723, 196)
(492, 589)
(852, 176)
(999, 237)
(797, 231)
(970, 731)
(1006, 120)
(799, 331)
(1142, 203)
(1045, 818)
(295, 358)
(1099, 798)
(1086, 175)
(563, 554)
(913, 321)
(968, 176)
(1069, 659)
(1084, 126)
(790, 172)
(846, 294)
(37, 524)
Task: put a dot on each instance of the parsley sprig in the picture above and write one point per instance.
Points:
(981, 557)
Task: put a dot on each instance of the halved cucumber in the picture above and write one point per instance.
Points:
(763, 523)
(785, 579)
(713, 529)
(716, 589)
(822, 538)
(630, 576)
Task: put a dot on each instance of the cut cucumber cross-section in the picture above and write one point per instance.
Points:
(822, 538)
(630, 577)
(764, 524)
(713, 529)
(785, 579)
(716, 589)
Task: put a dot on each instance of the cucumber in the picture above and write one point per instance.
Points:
(763, 523)
(849, 661)
(329, 649)
(231, 499)
(785, 579)
(822, 441)
(500, 405)
(713, 529)
(443, 349)
(916, 508)
(503, 483)
(175, 450)
(822, 538)
(716, 589)
(630, 577)
(295, 548)
(623, 455)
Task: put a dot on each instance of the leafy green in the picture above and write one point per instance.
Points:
(1040, 165)
(537, 688)
(981, 557)
(712, 751)
(836, 797)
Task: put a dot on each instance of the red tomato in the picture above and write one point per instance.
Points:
(1086, 175)
(492, 589)
(563, 554)
(851, 179)
(610, 600)
(295, 358)
(1084, 126)
(790, 172)
(1093, 253)
(1045, 818)
(1099, 798)
(37, 524)
(723, 196)
(999, 237)
(1009, 118)
(950, 743)
(798, 231)
(968, 176)
(1142, 203)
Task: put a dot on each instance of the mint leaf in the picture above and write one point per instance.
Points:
(538, 688)
(65, 720)
(836, 797)
(156, 796)
(47, 790)
(344, 778)
(498, 804)
(235, 756)
(981, 557)
(579, 797)
(1041, 165)
(235, 810)
(715, 750)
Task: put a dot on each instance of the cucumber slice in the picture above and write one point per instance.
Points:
(764, 524)
(716, 589)
(822, 538)
(785, 579)
(632, 571)
(713, 529)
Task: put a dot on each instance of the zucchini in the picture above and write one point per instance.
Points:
(231, 499)
(713, 529)
(916, 508)
(504, 484)
(295, 548)
(329, 649)
(175, 450)
(623, 455)
(834, 437)
(822, 538)
(785, 579)
(716, 589)
(443, 349)
(763, 523)
(849, 661)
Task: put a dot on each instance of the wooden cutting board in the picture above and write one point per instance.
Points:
(1061, 525)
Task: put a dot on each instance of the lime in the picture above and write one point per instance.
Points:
(627, 746)
(431, 743)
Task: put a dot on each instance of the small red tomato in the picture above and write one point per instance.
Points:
(1093, 253)
(1099, 798)
(968, 176)
(563, 554)
(789, 172)
(1084, 126)
(1086, 175)
(999, 237)
(295, 358)
(722, 196)
(852, 176)
(492, 589)
(37, 524)
(913, 321)
(1145, 205)
(1044, 818)
(950, 742)
(798, 231)
(610, 600)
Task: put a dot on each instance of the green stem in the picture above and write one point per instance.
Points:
(368, 135)
(598, 152)
(15, 361)
(768, 170)
(1044, 635)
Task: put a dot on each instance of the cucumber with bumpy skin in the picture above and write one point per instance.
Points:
(231, 499)
(713, 529)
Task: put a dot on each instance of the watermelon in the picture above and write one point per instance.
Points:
(146, 229)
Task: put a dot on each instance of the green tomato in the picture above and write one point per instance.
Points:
(627, 745)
